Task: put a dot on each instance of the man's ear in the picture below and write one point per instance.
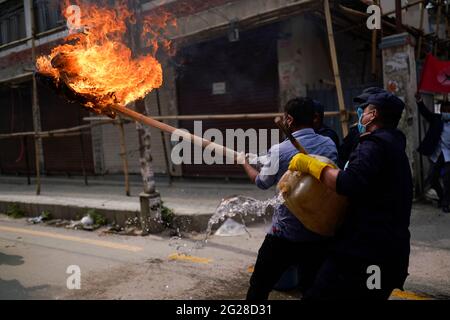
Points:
(376, 113)
(290, 119)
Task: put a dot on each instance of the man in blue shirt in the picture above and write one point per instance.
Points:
(288, 242)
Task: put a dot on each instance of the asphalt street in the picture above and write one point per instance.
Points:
(34, 260)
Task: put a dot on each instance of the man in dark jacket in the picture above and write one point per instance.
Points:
(371, 255)
(319, 127)
(352, 139)
(436, 146)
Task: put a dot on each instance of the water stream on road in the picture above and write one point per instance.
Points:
(228, 208)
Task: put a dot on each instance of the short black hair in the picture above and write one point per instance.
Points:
(302, 110)
(319, 109)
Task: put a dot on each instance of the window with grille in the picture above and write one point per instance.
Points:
(48, 14)
(12, 22)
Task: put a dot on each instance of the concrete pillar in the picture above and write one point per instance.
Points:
(150, 215)
(399, 72)
(303, 57)
(150, 200)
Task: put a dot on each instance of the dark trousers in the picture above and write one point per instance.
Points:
(438, 170)
(345, 278)
(276, 255)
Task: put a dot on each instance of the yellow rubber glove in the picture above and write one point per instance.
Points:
(307, 164)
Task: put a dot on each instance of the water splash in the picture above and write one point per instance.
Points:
(241, 206)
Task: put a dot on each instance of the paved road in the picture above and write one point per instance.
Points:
(34, 260)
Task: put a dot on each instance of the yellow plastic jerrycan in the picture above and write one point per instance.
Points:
(319, 208)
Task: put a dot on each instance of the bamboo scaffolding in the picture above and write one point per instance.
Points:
(99, 121)
(163, 140)
(244, 116)
(374, 53)
(335, 65)
(123, 154)
(74, 131)
(35, 106)
(438, 25)
(422, 17)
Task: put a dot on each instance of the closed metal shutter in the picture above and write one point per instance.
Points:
(16, 116)
(112, 159)
(248, 69)
(64, 154)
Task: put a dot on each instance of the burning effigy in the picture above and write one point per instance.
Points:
(97, 67)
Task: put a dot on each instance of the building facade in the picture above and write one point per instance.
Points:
(232, 57)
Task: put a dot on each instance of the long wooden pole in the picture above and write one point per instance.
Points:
(163, 140)
(438, 27)
(337, 77)
(123, 153)
(74, 131)
(422, 18)
(36, 112)
(172, 130)
(289, 135)
(398, 15)
(238, 116)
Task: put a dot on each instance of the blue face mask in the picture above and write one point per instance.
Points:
(445, 116)
(362, 128)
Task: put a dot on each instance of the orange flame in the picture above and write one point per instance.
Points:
(98, 64)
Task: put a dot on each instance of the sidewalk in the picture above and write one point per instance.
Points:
(193, 202)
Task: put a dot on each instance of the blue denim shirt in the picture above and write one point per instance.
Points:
(284, 223)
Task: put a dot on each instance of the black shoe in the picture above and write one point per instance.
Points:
(445, 209)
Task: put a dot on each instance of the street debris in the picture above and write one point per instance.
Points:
(87, 221)
(35, 220)
(231, 228)
(45, 216)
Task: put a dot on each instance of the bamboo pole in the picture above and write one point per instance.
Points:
(163, 140)
(447, 25)
(36, 111)
(337, 77)
(398, 15)
(412, 4)
(27, 160)
(99, 121)
(422, 18)
(123, 153)
(56, 133)
(249, 116)
(172, 130)
(289, 135)
(438, 29)
(374, 49)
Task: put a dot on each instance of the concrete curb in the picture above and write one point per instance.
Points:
(68, 212)
(183, 222)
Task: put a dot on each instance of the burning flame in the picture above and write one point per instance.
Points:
(97, 64)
